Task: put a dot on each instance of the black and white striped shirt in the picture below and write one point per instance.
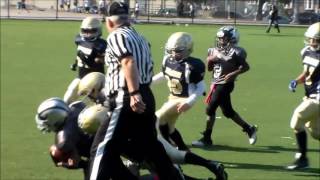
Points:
(123, 42)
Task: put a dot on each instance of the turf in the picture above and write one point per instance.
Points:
(35, 59)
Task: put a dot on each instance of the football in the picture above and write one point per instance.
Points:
(58, 155)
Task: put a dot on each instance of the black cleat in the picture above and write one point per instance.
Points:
(299, 163)
(218, 169)
(253, 134)
(203, 142)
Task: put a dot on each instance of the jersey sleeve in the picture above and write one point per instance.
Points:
(120, 45)
(241, 56)
(197, 71)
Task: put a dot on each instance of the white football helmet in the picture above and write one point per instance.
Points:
(51, 115)
(226, 37)
(90, 28)
(91, 85)
(179, 45)
(90, 118)
(312, 36)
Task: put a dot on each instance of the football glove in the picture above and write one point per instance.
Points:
(292, 86)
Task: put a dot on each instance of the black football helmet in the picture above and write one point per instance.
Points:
(226, 37)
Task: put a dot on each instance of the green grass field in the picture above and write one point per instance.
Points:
(35, 59)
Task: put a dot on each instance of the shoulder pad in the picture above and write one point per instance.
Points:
(240, 52)
(197, 64)
(304, 50)
(78, 39)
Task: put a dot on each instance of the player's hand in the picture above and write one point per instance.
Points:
(70, 164)
(228, 77)
(292, 85)
(183, 107)
(137, 104)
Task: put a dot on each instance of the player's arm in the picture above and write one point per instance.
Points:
(196, 91)
(156, 79)
(213, 56)
(131, 75)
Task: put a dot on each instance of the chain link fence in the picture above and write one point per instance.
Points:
(170, 11)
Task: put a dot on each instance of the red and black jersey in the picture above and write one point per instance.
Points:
(228, 62)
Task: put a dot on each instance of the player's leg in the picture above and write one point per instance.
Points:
(276, 25)
(229, 112)
(301, 115)
(71, 94)
(212, 106)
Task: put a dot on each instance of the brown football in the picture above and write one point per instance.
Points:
(58, 155)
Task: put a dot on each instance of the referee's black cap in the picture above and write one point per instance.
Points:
(118, 9)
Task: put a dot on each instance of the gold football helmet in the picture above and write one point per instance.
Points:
(179, 45)
(90, 118)
(90, 28)
(312, 36)
(91, 85)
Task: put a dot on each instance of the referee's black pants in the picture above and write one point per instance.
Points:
(123, 127)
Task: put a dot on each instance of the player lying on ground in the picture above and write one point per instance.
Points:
(91, 87)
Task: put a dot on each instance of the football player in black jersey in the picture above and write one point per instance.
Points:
(90, 86)
(227, 61)
(307, 114)
(185, 82)
(72, 145)
(90, 54)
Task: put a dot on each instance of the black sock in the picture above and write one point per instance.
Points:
(302, 143)
(164, 129)
(207, 133)
(192, 158)
(177, 139)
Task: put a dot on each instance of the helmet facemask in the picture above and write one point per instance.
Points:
(90, 34)
(90, 29)
(226, 38)
(179, 46)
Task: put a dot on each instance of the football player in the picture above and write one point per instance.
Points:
(90, 117)
(184, 75)
(307, 114)
(90, 54)
(227, 61)
(72, 145)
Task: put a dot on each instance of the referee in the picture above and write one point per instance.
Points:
(129, 74)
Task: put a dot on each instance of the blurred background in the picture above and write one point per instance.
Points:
(170, 11)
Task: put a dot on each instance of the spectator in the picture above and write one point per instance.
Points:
(136, 10)
(273, 19)
(180, 9)
(191, 10)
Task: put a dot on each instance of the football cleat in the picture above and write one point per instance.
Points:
(203, 142)
(218, 169)
(253, 134)
(299, 163)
